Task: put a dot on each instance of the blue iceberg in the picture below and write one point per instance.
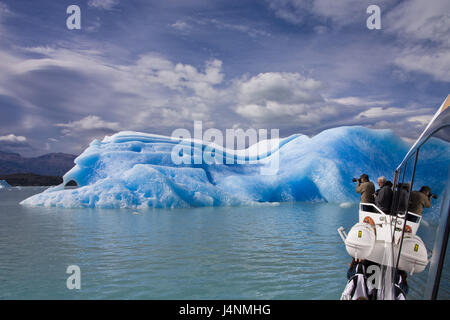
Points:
(4, 184)
(135, 170)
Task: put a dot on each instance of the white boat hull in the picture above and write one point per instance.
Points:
(377, 238)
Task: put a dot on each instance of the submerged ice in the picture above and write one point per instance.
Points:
(135, 170)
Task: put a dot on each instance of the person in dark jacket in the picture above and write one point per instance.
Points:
(383, 196)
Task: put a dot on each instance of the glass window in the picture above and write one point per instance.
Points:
(426, 195)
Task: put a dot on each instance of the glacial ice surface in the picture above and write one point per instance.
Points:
(135, 170)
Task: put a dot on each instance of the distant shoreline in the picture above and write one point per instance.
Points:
(30, 179)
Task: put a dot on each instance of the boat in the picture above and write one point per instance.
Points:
(391, 241)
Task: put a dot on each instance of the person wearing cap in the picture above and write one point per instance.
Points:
(366, 188)
(419, 200)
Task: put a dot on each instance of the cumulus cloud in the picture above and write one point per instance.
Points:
(435, 63)
(422, 120)
(407, 121)
(181, 25)
(301, 104)
(12, 138)
(357, 101)
(154, 69)
(89, 123)
(280, 86)
(79, 133)
(276, 95)
(14, 143)
(75, 91)
(296, 103)
(380, 112)
(152, 81)
(73, 136)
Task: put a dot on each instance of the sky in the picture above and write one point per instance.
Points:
(300, 66)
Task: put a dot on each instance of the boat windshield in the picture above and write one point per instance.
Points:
(427, 166)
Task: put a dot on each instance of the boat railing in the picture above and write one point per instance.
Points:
(369, 207)
(371, 210)
(379, 217)
(412, 217)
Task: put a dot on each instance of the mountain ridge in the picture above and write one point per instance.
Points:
(50, 164)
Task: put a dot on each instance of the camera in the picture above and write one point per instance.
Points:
(433, 196)
(355, 180)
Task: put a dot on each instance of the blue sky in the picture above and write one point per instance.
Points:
(301, 66)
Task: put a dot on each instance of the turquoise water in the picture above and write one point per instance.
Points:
(289, 251)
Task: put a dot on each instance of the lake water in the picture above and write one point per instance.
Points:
(289, 251)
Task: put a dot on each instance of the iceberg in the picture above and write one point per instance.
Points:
(135, 170)
(4, 184)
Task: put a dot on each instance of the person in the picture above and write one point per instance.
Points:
(383, 196)
(351, 267)
(401, 285)
(402, 200)
(419, 200)
(366, 188)
(356, 288)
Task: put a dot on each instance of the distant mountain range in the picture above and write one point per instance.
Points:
(51, 164)
(29, 179)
